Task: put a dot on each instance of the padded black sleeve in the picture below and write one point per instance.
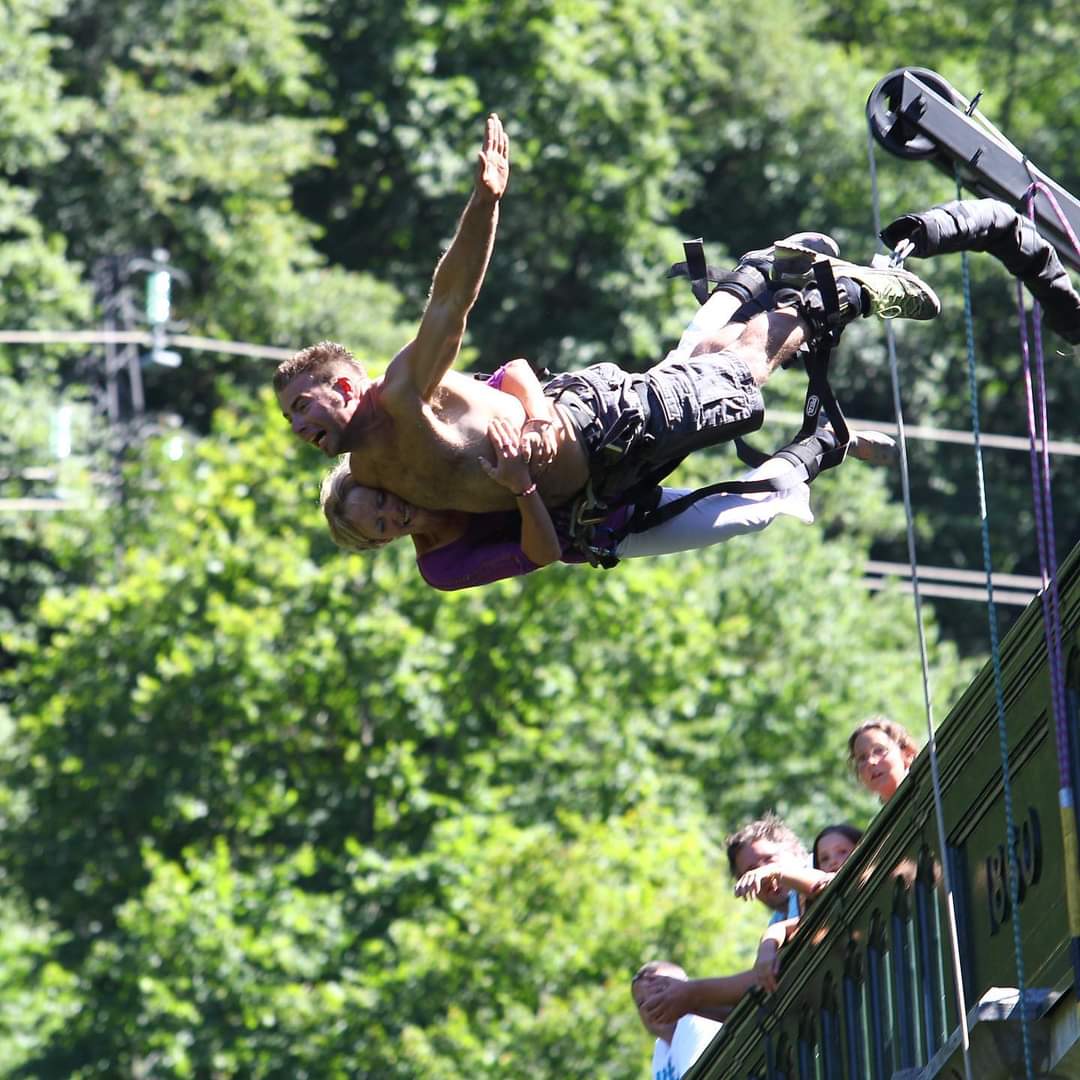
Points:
(994, 227)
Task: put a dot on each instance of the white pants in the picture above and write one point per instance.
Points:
(717, 518)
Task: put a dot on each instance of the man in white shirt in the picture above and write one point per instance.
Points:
(679, 1044)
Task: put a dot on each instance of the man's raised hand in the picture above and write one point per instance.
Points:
(493, 164)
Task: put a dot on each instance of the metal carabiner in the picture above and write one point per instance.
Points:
(901, 252)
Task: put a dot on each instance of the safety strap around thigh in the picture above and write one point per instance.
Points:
(819, 398)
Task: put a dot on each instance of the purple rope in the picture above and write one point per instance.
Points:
(1038, 434)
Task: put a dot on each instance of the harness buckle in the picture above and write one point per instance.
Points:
(586, 512)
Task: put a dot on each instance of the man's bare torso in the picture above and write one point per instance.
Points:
(427, 452)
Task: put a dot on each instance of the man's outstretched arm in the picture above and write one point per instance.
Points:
(669, 999)
(459, 274)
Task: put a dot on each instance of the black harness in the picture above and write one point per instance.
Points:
(599, 545)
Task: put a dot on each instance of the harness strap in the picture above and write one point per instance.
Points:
(588, 511)
(697, 269)
(749, 455)
(819, 398)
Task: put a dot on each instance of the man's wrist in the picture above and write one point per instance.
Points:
(530, 490)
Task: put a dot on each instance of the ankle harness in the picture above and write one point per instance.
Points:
(598, 544)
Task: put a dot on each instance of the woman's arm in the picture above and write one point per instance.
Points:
(475, 559)
(538, 433)
(539, 541)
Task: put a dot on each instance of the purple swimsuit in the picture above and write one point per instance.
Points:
(490, 550)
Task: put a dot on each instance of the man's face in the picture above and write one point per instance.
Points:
(319, 411)
(762, 853)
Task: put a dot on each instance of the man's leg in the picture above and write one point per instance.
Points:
(800, 317)
(711, 323)
(746, 290)
(762, 344)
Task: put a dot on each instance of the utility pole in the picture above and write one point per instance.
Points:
(119, 393)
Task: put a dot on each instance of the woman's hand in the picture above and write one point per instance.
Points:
(538, 443)
(511, 468)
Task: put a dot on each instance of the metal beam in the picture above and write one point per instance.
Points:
(916, 114)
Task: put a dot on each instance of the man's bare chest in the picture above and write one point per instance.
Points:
(421, 456)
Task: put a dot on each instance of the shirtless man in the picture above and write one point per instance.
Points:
(421, 430)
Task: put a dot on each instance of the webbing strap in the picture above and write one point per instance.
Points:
(588, 511)
(819, 397)
(697, 269)
(1038, 432)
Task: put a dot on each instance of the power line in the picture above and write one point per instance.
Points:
(141, 337)
(947, 435)
(273, 352)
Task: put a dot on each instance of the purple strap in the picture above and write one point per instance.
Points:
(1038, 435)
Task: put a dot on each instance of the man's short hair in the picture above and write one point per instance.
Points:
(659, 967)
(326, 359)
(770, 828)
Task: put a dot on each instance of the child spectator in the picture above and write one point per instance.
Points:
(679, 1043)
(833, 845)
(880, 751)
(831, 849)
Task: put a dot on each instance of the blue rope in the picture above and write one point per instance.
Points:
(931, 741)
(995, 653)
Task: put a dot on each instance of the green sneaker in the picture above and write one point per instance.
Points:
(891, 293)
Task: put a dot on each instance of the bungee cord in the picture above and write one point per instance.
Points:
(1038, 434)
(939, 812)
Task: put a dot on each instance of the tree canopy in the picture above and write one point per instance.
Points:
(273, 810)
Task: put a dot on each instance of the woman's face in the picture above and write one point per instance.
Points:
(833, 850)
(880, 763)
(378, 515)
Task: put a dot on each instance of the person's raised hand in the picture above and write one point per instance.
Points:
(751, 884)
(493, 163)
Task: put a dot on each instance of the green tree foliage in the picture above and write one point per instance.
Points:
(37, 996)
(270, 810)
(235, 682)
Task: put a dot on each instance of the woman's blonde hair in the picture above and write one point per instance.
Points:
(336, 485)
(891, 729)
